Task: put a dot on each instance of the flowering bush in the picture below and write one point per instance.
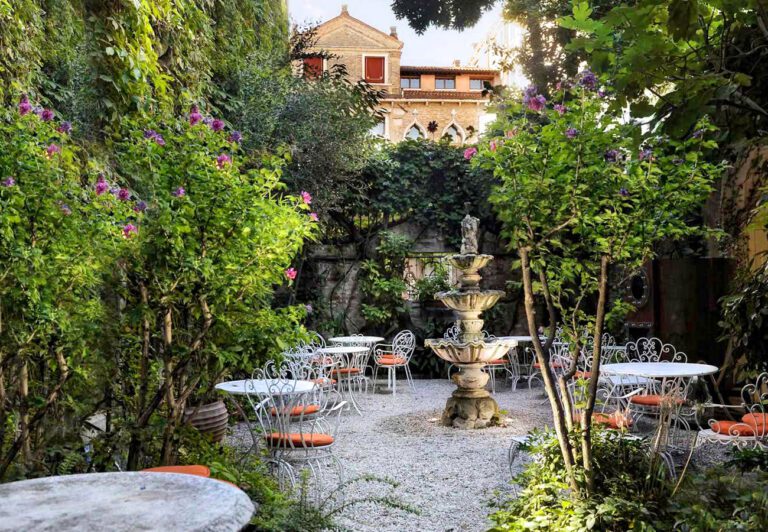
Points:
(56, 239)
(212, 237)
(581, 196)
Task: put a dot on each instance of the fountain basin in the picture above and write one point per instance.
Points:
(471, 302)
(472, 352)
(469, 262)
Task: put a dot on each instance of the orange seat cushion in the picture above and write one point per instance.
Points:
(497, 362)
(197, 470)
(324, 381)
(651, 400)
(387, 355)
(732, 428)
(616, 420)
(756, 420)
(299, 440)
(299, 410)
(390, 361)
(551, 365)
(345, 371)
(582, 375)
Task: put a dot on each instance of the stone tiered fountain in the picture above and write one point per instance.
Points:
(470, 406)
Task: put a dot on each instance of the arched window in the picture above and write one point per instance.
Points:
(380, 129)
(453, 133)
(414, 132)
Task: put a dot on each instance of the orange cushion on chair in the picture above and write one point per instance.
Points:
(196, 470)
(299, 410)
(387, 355)
(324, 381)
(616, 420)
(582, 375)
(300, 440)
(551, 365)
(345, 371)
(756, 420)
(732, 428)
(390, 361)
(497, 362)
(651, 400)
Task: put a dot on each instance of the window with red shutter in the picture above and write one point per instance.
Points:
(313, 67)
(374, 69)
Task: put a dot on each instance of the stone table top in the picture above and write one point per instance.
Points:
(122, 502)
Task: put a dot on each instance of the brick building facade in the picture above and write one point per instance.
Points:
(420, 101)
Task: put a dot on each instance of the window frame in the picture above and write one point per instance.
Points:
(317, 75)
(385, 57)
(422, 131)
(482, 84)
(445, 78)
(417, 79)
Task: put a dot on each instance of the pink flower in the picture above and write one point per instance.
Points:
(179, 192)
(560, 108)
(101, 185)
(223, 160)
(130, 230)
(46, 115)
(52, 150)
(470, 152)
(305, 197)
(313, 216)
(194, 116)
(217, 125)
(123, 194)
(24, 106)
(492, 145)
(290, 273)
(537, 103)
(511, 133)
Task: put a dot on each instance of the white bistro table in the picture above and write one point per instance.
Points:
(123, 502)
(349, 369)
(350, 340)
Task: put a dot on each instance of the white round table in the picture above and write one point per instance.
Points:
(123, 502)
(370, 340)
(265, 386)
(342, 350)
(659, 370)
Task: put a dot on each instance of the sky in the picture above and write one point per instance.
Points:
(436, 47)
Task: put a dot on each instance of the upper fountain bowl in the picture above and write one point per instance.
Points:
(472, 352)
(469, 262)
(469, 301)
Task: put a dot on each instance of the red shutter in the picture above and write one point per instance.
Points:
(313, 67)
(374, 69)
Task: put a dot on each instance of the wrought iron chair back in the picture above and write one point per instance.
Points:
(652, 350)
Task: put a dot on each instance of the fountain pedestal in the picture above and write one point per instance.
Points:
(471, 405)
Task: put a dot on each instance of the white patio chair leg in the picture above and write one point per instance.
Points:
(410, 378)
(394, 380)
(375, 373)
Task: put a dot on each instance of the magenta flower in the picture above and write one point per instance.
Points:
(470, 152)
(537, 103)
(571, 132)
(157, 138)
(24, 106)
(52, 150)
(141, 206)
(123, 194)
(217, 125)
(235, 137)
(223, 160)
(130, 230)
(194, 116)
(560, 108)
(588, 80)
(101, 185)
(314, 217)
(492, 145)
(9, 182)
(46, 115)
(290, 273)
(306, 197)
(64, 127)
(179, 192)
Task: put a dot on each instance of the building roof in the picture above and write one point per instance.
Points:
(345, 15)
(447, 70)
(417, 94)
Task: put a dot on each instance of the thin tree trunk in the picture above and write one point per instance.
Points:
(24, 411)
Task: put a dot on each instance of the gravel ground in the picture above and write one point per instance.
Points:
(450, 475)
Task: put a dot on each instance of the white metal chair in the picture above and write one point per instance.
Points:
(393, 356)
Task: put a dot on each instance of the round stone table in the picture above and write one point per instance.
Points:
(123, 502)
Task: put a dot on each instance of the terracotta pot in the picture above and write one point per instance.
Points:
(210, 419)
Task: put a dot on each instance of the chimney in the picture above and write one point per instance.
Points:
(344, 9)
(457, 62)
(393, 31)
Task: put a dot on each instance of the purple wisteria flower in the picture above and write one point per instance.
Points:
(65, 210)
(123, 194)
(235, 136)
(308, 308)
(623, 192)
(217, 124)
(612, 156)
(101, 185)
(537, 103)
(470, 152)
(698, 134)
(157, 138)
(38, 110)
(140, 206)
(560, 108)
(677, 161)
(24, 106)
(223, 160)
(194, 116)
(65, 127)
(602, 94)
(52, 150)
(571, 132)
(588, 80)
(646, 154)
(9, 182)
(130, 230)
(208, 121)
(46, 115)
(114, 191)
(179, 192)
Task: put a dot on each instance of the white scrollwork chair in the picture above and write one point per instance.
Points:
(393, 356)
(298, 429)
(750, 429)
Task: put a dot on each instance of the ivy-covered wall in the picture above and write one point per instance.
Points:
(99, 60)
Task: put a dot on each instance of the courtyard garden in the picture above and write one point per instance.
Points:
(225, 304)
